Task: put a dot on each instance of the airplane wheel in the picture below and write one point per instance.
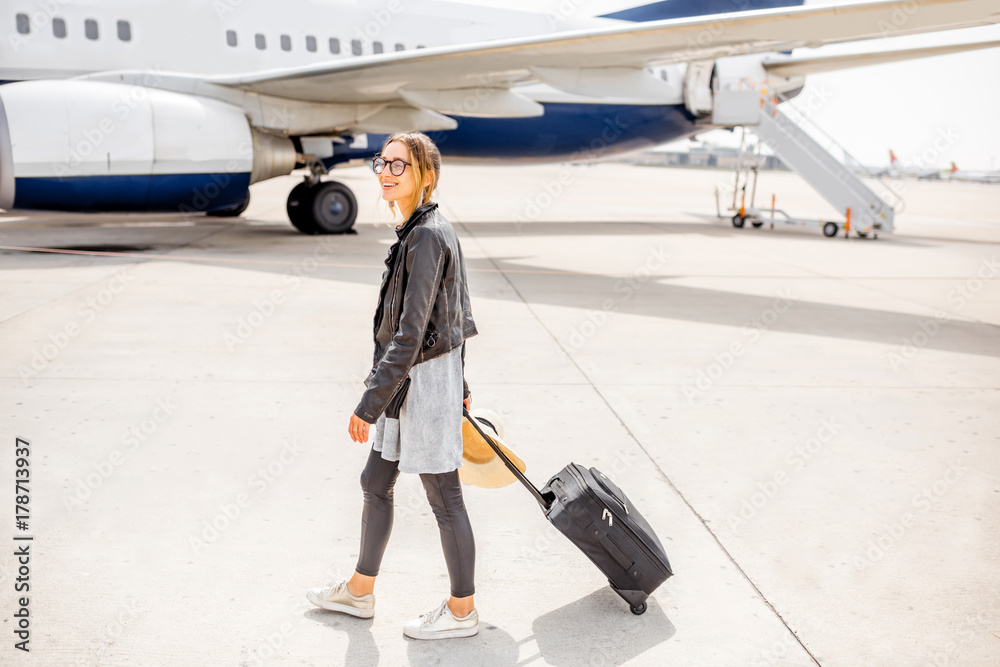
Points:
(757, 223)
(298, 206)
(232, 211)
(738, 220)
(830, 229)
(333, 208)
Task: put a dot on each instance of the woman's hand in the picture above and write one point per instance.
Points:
(467, 403)
(358, 428)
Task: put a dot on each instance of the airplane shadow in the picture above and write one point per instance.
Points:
(360, 262)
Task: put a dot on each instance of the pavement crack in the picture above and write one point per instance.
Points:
(639, 444)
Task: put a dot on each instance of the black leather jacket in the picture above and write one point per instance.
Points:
(423, 307)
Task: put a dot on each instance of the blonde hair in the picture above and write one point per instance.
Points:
(424, 158)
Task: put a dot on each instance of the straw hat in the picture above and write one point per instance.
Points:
(480, 464)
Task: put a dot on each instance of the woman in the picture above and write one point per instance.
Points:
(415, 392)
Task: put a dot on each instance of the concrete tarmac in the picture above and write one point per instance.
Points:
(810, 424)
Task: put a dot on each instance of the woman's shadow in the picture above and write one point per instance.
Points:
(362, 651)
(596, 630)
(492, 646)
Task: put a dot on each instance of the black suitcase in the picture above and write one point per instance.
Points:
(590, 509)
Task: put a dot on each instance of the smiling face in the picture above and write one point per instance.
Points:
(417, 182)
(399, 189)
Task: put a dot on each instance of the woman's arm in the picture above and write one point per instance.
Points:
(424, 263)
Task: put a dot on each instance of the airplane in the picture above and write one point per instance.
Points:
(160, 106)
(956, 174)
(898, 170)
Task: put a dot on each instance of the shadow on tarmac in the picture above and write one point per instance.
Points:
(492, 646)
(600, 630)
(362, 651)
(660, 297)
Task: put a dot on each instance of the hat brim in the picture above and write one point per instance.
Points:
(480, 464)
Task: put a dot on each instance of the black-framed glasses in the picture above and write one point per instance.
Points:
(396, 167)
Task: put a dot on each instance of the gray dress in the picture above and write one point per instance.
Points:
(427, 437)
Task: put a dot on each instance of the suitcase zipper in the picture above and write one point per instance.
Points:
(653, 557)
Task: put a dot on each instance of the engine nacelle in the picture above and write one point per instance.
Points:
(96, 146)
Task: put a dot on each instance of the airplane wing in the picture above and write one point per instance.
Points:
(445, 77)
(789, 67)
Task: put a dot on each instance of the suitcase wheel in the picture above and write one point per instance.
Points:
(638, 609)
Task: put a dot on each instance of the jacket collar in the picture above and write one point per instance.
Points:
(414, 218)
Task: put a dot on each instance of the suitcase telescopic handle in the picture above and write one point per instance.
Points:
(507, 462)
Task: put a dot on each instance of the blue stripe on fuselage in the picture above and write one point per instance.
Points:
(680, 9)
(565, 132)
(138, 192)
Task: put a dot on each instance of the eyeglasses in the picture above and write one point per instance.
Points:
(396, 167)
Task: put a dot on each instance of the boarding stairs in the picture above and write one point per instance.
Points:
(826, 166)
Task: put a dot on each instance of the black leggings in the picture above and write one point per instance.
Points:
(444, 492)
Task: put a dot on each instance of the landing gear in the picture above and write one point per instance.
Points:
(322, 207)
(830, 229)
(233, 211)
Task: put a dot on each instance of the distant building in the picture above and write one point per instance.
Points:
(709, 157)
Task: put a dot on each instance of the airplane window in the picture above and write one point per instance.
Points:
(124, 31)
(231, 37)
(23, 24)
(310, 43)
(59, 28)
(90, 28)
(400, 47)
(421, 46)
(286, 43)
(356, 47)
(377, 47)
(334, 45)
(259, 41)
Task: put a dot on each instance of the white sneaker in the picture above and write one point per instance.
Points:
(338, 598)
(442, 624)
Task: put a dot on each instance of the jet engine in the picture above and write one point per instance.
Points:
(95, 146)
